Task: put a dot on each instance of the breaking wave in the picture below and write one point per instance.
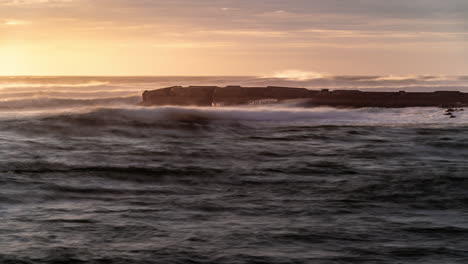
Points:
(65, 94)
(296, 75)
(55, 103)
(137, 121)
(57, 85)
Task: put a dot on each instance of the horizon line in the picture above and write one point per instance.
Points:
(235, 76)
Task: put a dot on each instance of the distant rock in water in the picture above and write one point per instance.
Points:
(237, 95)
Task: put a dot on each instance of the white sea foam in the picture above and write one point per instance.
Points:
(313, 116)
(261, 116)
(415, 78)
(297, 75)
(42, 85)
(57, 103)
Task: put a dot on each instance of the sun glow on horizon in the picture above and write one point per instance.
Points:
(12, 60)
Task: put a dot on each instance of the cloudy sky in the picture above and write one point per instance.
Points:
(233, 37)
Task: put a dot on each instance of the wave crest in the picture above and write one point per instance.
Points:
(139, 121)
(56, 103)
(296, 75)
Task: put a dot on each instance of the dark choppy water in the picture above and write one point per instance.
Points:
(86, 177)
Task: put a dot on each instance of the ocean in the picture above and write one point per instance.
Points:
(87, 176)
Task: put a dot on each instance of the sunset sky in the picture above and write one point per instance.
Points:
(233, 37)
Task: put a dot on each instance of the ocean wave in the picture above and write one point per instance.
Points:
(42, 85)
(317, 81)
(156, 115)
(319, 115)
(74, 89)
(66, 94)
(297, 75)
(140, 122)
(55, 103)
(415, 77)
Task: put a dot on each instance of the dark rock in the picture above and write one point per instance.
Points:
(237, 95)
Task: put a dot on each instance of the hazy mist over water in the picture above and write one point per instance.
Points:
(90, 177)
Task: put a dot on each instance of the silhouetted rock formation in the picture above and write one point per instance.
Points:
(236, 95)
(193, 95)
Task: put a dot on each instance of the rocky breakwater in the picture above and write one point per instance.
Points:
(237, 95)
(355, 98)
(177, 95)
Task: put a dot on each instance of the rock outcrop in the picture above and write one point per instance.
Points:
(237, 95)
(177, 95)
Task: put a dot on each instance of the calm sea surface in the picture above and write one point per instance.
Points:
(88, 177)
